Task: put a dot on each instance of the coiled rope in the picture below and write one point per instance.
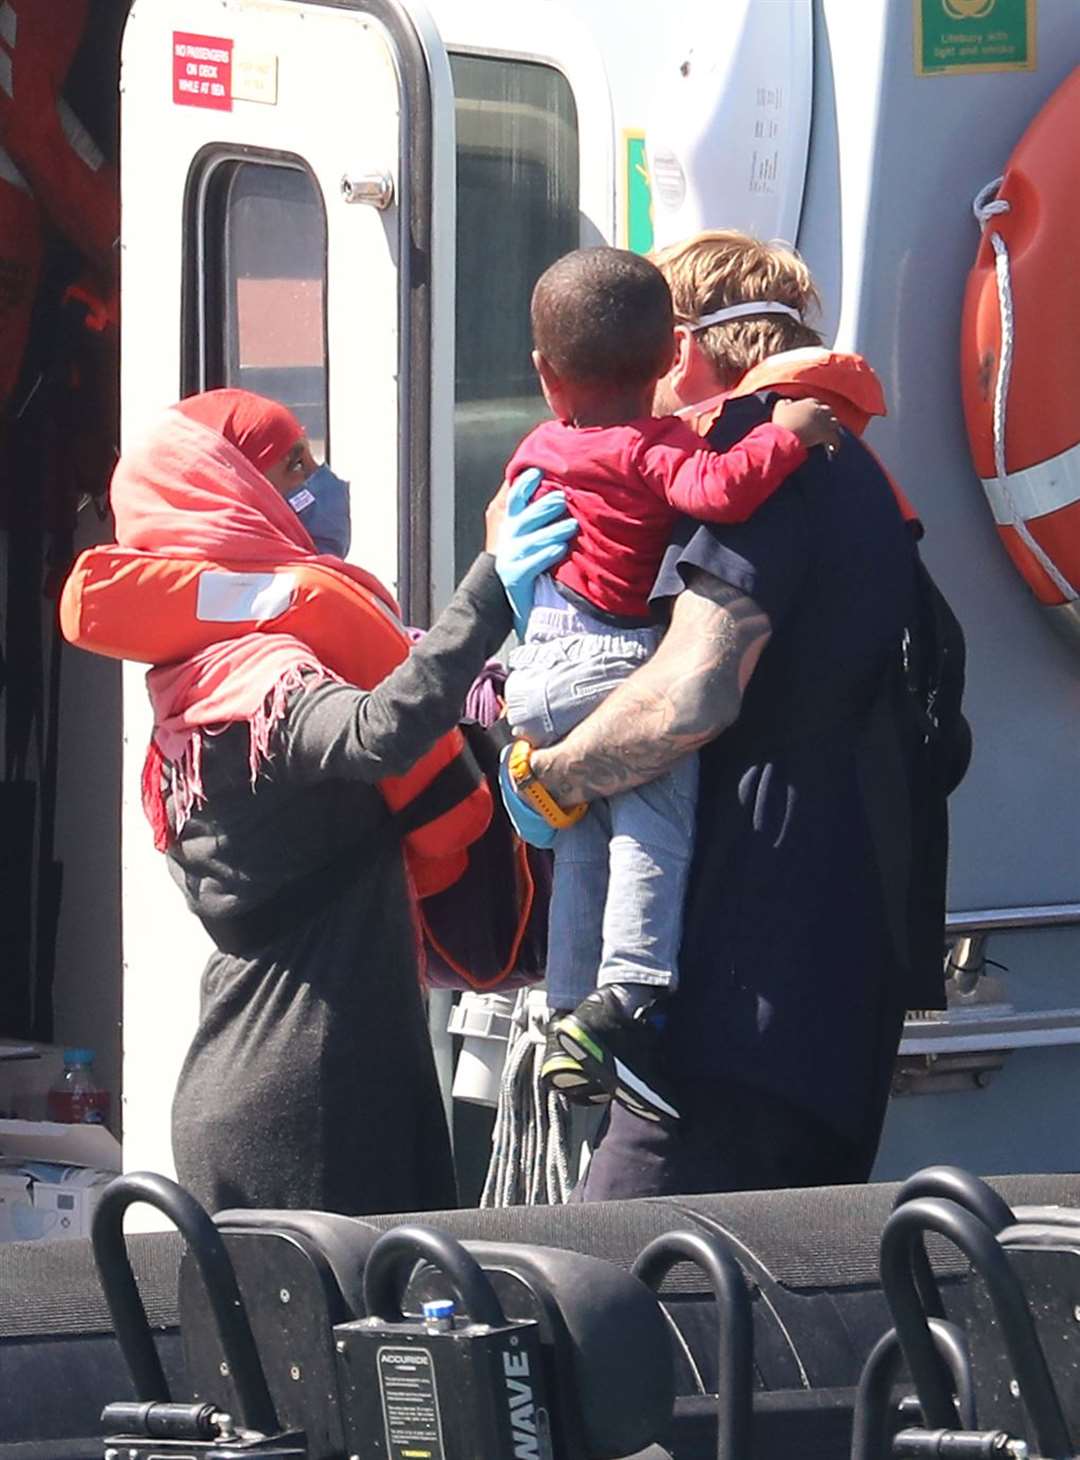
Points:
(530, 1158)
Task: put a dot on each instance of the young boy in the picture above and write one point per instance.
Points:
(603, 329)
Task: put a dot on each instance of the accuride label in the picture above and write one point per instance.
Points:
(202, 71)
(410, 1403)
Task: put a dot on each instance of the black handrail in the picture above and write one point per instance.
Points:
(881, 1372)
(735, 1403)
(256, 1408)
(980, 1246)
(953, 1184)
(383, 1286)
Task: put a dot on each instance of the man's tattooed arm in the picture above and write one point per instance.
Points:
(688, 693)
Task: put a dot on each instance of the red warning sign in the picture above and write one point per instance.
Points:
(202, 71)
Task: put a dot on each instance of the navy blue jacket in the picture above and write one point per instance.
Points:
(792, 975)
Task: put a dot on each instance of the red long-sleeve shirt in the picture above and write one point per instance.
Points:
(626, 485)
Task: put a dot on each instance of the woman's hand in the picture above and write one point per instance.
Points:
(494, 517)
(534, 537)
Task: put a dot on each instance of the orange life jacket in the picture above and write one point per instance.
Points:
(154, 609)
(846, 383)
(64, 182)
(69, 176)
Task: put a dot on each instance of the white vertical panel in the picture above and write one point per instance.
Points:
(333, 102)
(729, 121)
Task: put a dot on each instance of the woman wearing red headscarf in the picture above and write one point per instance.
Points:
(310, 1081)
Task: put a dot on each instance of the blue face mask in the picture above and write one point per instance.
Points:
(322, 505)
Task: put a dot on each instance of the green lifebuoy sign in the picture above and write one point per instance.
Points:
(956, 36)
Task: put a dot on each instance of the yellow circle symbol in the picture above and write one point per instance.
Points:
(968, 9)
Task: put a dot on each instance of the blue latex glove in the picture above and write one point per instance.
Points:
(529, 824)
(533, 538)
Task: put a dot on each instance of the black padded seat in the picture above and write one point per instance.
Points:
(302, 1272)
(343, 1241)
(607, 1330)
(1043, 1249)
(816, 1250)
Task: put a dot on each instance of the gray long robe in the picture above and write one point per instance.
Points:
(310, 1082)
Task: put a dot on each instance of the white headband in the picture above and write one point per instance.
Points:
(745, 311)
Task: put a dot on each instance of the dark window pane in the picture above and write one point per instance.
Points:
(273, 256)
(517, 211)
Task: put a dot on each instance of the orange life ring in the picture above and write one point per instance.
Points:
(154, 609)
(1021, 383)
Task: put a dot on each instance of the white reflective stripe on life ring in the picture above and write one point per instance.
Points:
(1037, 491)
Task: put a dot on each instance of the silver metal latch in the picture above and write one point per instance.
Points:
(375, 188)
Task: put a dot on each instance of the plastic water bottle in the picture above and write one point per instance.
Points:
(76, 1098)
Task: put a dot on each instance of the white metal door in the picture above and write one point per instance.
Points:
(281, 163)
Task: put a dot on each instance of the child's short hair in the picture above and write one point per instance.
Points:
(722, 267)
(602, 316)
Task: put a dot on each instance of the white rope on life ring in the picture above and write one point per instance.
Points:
(987, 205)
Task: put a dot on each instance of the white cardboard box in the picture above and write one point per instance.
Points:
(52, 1177)
(49, 1140)
(47, 1201)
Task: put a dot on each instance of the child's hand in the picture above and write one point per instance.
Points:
(813, 422)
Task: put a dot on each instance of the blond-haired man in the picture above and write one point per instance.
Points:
(781, 1040)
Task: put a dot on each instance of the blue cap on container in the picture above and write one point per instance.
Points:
(438, 1308)
(78, 1056)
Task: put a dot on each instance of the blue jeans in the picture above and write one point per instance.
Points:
(620, 872)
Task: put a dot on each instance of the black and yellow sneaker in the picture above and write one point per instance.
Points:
(565, 1073)
(613, 1040)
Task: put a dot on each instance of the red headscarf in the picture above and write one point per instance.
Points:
(193, 489)
(262, 430)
